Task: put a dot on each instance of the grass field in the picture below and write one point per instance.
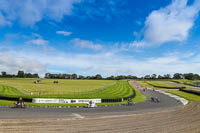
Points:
(160, 84)
(188, 96)
(139, 97)
(187, 82)
(154, 84)
(65, 88)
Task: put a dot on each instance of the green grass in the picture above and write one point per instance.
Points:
(65, 89)
(160, 84)
(115, 103)
(145, 84)
(197, 90)
(117, 90)
(188, 96)
(187, 82)
(6, 102)
(47, 87)
(139, 97)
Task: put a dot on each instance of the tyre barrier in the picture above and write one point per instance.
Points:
(191, 91)
(15, 99)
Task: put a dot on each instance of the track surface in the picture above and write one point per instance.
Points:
(166, 116)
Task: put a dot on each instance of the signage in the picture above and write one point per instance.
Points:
(48, 100)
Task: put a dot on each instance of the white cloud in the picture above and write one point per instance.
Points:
(112, 64)
(29, 12)
(105, 63)
(65, 33)
(172, 23)
(138, 44)
(86, 44)
(38, 41)
(11, 62)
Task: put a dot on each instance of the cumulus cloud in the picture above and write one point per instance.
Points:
(105, 63)
(11, 62)
(29, 12)
(38, 41)
(65, 33)
(172, 23)
(86, 44)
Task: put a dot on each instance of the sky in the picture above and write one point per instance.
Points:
(107, 37)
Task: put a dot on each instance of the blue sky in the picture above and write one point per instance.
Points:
(108, 37)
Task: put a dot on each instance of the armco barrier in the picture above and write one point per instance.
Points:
(15, 99)
(111, 100)
(191, 91)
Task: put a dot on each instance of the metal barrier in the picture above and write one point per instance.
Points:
(15, 99)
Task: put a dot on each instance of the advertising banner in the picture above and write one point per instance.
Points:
(48, 100)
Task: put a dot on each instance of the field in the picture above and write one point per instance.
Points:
(188, 82)
(65, 88)
(188, 96)
(161, 84)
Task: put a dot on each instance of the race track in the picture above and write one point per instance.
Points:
(167, 116)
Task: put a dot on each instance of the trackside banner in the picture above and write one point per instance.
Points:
(47, 100)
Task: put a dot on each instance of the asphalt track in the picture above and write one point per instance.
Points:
(169, 115)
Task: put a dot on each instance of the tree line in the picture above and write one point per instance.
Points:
(189, 76)
(20, 74)
(75, 76)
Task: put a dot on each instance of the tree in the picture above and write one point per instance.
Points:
(3, 74)
(160, 77)
(147, 77)
(120, 77)
(178, 76)
(20, 74)
(28, 75)
(153, 76)
(47, 75)
(167, 76)
(196, 77)
(81, 77)
(74, 76)
(98, 76)
(189, 76)
(35, 75)
(111, 78)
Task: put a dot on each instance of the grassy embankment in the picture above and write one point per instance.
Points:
(65, 89)
(187, 82)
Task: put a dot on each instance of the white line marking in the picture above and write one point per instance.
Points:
(78, 116)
